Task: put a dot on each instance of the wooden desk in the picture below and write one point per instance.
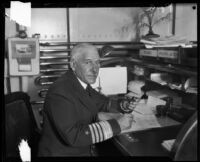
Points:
(147, 142)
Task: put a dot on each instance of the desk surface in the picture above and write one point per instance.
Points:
(144, 122)
(147, 142)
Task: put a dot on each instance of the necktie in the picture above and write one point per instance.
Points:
(88, 90)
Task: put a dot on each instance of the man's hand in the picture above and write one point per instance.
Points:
(125, 121)
(128, 105)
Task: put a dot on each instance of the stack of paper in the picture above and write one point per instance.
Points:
(166, 41)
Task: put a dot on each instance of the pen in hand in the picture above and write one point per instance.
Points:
(137, 112)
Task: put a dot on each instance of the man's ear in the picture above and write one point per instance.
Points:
(72, 64)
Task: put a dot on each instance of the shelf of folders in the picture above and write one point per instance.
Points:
(171, 54)
(162, 74)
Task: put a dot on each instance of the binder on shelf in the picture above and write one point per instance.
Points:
(149, 53)
(172, 54)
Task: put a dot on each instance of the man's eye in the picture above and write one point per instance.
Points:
(98, 62)
(88, 62)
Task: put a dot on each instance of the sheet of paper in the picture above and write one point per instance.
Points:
(143, 122)
(112, 80)
(144, 116)
(149, 107)
(24, 67)
(154, 101)
(168, 144)
(143, 108)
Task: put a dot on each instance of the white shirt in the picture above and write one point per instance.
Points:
(84, 85)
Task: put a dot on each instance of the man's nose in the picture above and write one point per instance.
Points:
(95, 67)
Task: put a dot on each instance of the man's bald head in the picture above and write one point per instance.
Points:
(81, 49)
(85, 62)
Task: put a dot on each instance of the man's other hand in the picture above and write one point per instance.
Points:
(125, 121)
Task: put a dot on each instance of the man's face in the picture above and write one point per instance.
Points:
(87, 65)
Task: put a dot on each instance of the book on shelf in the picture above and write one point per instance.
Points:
(169, 45)
(147, 41)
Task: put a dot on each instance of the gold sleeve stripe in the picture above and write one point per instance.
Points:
(104, 129)
(95, 133)
(100, 132)
(109, 129)
(92, 133)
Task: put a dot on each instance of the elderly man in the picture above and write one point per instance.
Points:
(77, 116)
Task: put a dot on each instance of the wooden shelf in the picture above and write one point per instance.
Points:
(167, 85)
(164, 67)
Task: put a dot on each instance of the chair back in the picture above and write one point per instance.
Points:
(185, 146)
(19, 122)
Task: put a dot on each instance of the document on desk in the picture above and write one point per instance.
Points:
(144, 116)
(143, 122)
(149, 107)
